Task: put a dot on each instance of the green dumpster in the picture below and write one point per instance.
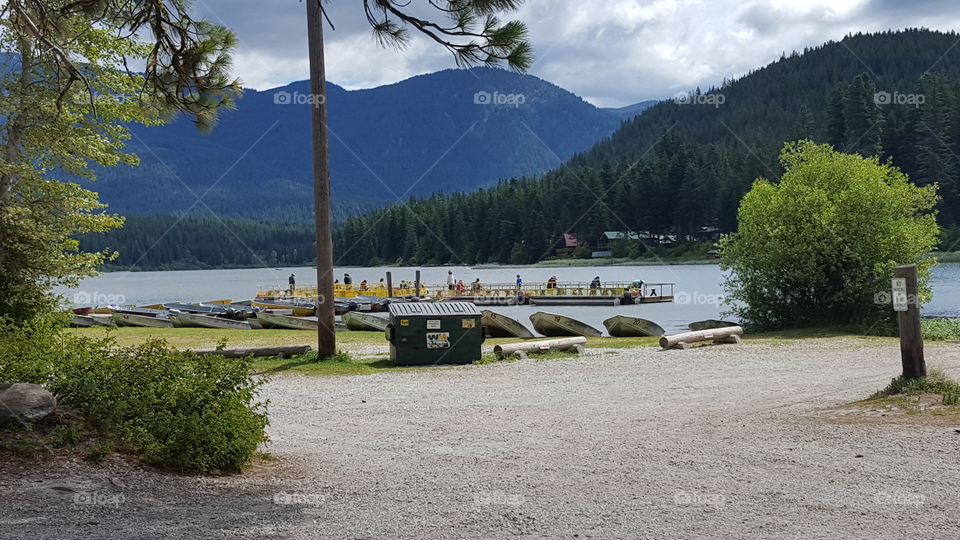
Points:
(424, 334)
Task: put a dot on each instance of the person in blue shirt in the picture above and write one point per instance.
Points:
(519, 282)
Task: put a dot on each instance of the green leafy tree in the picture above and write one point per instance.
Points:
(66, 94)
(817, 247)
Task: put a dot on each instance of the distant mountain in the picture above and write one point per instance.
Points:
(455, 130)
(682, 167)
(789, 98)
(632, 111)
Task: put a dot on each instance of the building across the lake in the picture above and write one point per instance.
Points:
(568, 245)
(606, 241)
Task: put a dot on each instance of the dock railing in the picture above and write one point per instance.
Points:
(487, 290)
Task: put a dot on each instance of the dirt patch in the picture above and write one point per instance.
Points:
(900, 409)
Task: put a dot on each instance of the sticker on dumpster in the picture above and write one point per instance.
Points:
(433, 324)
(438, 340)
(404, 322)
(468, 323)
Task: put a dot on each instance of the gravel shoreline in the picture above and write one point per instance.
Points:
(730, 441)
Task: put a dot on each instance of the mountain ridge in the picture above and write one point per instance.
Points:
(452, 130)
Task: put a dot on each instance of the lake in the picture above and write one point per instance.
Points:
(698, 288)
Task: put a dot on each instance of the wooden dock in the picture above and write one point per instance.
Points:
(507, 294)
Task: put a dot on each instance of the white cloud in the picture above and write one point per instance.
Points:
(612, 52)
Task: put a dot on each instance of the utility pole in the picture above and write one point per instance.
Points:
(326, 332)
(907, 305)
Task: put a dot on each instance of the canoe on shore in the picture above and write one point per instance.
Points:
(82, 321)
(299, 308)
(207, 321)
(101, 319)
(356, 320)
(497, 325)
(275, 320)
(709, 324)
(553, 325)
(130, 319)
(623, 326)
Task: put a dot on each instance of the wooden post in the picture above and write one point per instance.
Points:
(326, 317)
(389, 285)
(908, 320)
(416, 284)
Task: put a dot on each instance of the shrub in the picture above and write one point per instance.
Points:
(941, 329)
(175, 409)
(816, 248)
(936, 382)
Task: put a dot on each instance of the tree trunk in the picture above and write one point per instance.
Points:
(326, 335)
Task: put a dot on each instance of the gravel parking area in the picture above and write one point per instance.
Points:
(731, 441)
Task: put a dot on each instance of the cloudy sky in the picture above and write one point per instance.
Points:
(610, 52)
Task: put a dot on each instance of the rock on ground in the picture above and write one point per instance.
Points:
(24, 402)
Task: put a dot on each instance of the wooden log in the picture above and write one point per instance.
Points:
(281, 351)
(389, 285)
(728, 334)
(561, 344)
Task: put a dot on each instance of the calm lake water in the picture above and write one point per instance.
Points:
(698, 288)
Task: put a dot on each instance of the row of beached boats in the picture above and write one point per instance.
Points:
(221, 314)
(225, 314)
(291, 315)
(546, 324)
(556, 325)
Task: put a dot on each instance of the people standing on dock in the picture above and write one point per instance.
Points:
(363, 285)
(461, 287)
(347, 280)
(382, 286)
(477, 287)
(519, 283)
(552, 282)
(450, 281)
(595, 284)
(293, 284)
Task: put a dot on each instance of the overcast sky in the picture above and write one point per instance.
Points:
(610, 52)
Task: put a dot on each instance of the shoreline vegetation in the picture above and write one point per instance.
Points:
(941, 257)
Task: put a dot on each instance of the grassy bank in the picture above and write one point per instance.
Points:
(367, 352)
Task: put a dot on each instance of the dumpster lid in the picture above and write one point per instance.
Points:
(430, 309)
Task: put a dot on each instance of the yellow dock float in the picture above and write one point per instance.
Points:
(503, 294)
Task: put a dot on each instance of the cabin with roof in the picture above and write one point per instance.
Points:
(606, 241)
(568, 245)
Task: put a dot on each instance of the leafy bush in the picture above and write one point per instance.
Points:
(816, 248)
(175, 409)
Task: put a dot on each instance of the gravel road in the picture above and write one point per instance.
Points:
(732, 441)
